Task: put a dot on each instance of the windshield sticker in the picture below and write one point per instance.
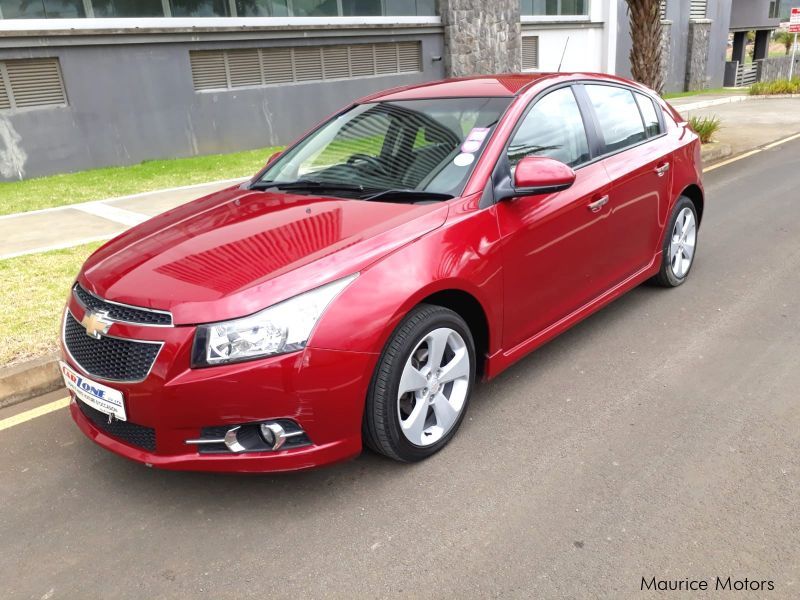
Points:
(470, 146)
(463, 159)
(477, 134)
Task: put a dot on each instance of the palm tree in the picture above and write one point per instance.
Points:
(646, 51)
(785, 38)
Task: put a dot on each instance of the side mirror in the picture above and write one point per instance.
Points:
(541, 175)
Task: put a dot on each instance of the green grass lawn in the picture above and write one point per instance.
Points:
(672, 95)
(31, 328)
(98, 184)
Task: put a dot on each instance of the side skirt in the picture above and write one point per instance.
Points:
(501, 360)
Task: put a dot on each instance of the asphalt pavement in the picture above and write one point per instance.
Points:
(659, 438)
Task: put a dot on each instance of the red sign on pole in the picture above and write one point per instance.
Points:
(794, 21)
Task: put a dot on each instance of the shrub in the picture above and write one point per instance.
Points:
(779, 86)
(705, 127)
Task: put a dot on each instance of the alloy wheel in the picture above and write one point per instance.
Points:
(684, 238)
(433, 387)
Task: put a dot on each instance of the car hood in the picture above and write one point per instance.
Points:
(238, 251)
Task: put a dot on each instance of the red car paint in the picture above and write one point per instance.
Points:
(548, 256)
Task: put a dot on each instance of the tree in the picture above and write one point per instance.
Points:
(646, 52)
(787, 39)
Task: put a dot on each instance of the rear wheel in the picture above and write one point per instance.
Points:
(422, 384)
(680, 244)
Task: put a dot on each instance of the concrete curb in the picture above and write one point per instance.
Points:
(28, 380)
(729, 100)
(714, 152)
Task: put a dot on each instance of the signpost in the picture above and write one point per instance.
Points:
(794, 27)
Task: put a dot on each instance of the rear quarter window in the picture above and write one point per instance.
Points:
(652, 124)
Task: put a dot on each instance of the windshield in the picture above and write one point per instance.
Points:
(398, 150)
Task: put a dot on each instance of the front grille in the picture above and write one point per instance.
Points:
(125, 431)
(119, 312)
(109, 358)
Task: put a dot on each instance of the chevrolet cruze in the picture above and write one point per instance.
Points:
(354, 290)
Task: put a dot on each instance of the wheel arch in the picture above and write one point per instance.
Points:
(695, 194)
(471, 310)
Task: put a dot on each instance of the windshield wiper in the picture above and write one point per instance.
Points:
(409, 194)
(306, 184)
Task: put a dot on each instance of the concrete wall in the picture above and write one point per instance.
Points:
(481, 37)
(771, 69)
(752, 14)
(678, 27)
(129, 102)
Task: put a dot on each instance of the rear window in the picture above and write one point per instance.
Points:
(618, 116)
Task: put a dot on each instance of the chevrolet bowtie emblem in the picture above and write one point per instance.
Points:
(96, 323)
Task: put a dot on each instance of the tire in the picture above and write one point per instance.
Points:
(674, 271)
(392, 420)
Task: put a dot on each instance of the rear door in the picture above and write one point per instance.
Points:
(637, 160)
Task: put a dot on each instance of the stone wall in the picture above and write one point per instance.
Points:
(697, 55)
(771, 69)
(481, 37)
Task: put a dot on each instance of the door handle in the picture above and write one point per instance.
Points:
(598, 204)
(662, 170)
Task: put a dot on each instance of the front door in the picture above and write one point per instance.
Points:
(551, 242)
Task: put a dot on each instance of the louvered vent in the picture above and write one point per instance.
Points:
(697, 9)
(31, 82)
(228, 69)
(208, 69)
(530, 52)
(5, 101)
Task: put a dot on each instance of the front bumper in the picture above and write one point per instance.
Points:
(322, 390)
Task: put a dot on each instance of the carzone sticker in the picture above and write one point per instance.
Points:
(101, 397)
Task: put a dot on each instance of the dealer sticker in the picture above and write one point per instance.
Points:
(101, 397)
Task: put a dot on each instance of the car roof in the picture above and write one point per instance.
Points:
(505, 85)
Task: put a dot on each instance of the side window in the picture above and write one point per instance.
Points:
(552, 128)
(651, 123)
(618, 116)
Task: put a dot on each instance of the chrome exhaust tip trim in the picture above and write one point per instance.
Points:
(252, 437)
(275, 435)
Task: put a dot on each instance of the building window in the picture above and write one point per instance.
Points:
(31, 82)
(530, 52)
(548, 8)
(199, 8)
(127, 8)
(42, 9)
(775, 9)
(248, 67)
(63, 9)
(697, 9)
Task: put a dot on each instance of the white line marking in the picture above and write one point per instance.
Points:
(113, 213)
(33, 413)
(752, 152)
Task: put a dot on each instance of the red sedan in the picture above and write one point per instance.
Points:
(354, 290)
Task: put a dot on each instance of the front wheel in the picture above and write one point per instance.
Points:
(421, 386)
(680, 243)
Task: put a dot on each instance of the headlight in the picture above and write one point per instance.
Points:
(284, 327)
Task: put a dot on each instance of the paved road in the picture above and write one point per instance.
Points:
(658, 438)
